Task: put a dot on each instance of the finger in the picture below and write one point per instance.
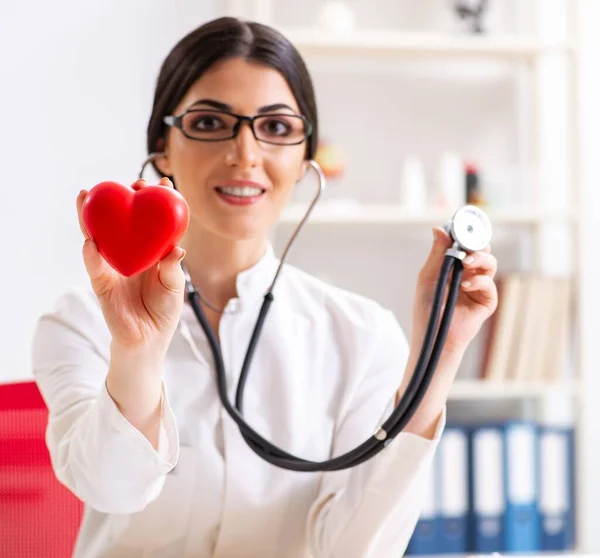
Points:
(170, 273)
(481, 262)
(80, 199)
(165, 181)
(100, 273)
(441, 238)
(139, 184)
(482, 289)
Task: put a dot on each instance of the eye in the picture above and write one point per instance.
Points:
(277, 126)
(207, 123)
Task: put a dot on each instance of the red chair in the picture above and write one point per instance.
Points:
(39, 517)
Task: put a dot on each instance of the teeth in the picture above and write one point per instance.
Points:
(244, 192)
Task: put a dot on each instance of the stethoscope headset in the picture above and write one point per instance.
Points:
(470, 230)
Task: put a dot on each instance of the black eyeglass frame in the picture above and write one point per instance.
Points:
(176, 121)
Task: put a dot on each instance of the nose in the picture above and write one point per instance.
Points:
(244, 151)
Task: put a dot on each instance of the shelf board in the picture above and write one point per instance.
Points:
(398, 215)
(373, 42)
(472, 390)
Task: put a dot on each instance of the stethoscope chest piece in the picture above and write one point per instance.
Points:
(470, 228)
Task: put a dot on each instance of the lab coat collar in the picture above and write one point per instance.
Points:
(252, 283)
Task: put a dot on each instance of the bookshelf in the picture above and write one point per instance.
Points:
(476, 390)
(375, 43)
(541, 53)
(398, 215)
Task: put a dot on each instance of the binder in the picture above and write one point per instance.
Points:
(487, 488)
(425, 538)
(521, 519)
(572, 491)
(454, 490)
(556, 487)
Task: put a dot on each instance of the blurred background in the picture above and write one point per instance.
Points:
(424, 106)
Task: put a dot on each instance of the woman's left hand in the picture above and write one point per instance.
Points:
(477, 300)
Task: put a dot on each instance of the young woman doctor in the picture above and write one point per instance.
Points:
(136, 429)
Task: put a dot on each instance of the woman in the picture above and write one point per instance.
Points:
(136, 428)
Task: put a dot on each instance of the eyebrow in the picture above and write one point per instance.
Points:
(223, 106)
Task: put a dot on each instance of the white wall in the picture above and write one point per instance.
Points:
(76, 84)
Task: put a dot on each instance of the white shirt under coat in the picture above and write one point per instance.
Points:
(324, 377)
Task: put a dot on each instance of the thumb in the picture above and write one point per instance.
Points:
(441, 243)
(100, 273)
(170, 273)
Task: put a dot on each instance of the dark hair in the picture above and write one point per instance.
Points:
(222, 38)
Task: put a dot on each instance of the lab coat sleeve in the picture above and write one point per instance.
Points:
(95, 452)
(370, 511)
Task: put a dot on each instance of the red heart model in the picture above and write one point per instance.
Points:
(134, 229)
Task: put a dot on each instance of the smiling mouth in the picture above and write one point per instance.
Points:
(240, 191)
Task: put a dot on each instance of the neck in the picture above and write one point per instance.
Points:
(214, 262)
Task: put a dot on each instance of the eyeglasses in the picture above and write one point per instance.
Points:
(217, 125)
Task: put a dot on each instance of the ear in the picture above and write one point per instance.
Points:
(162, 163)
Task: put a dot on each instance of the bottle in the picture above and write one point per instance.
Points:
(335, 16)
(450, 195)
(472, 185)
(413, 188)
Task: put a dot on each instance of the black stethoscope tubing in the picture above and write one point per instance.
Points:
(430, 353)
(443, 304)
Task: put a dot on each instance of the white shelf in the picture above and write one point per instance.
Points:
(476, 390)
(394, 43)
(398, 215)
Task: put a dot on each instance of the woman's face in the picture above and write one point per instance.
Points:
(235, 188)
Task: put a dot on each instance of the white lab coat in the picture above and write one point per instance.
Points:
(323, 379)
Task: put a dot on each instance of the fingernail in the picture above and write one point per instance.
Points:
(182, 255)
(466, 283)
(469, 260)
(435, 235)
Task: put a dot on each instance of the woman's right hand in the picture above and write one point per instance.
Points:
(141, 311)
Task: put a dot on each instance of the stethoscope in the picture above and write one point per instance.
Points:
(470, 230)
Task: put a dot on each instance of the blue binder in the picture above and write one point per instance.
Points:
(572, 491)
(486, 457)
(454, 490)
(424, 540)
(556, 487)
(521, 465)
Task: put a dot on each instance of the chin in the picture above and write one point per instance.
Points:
(240, 233)
(234, 227)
